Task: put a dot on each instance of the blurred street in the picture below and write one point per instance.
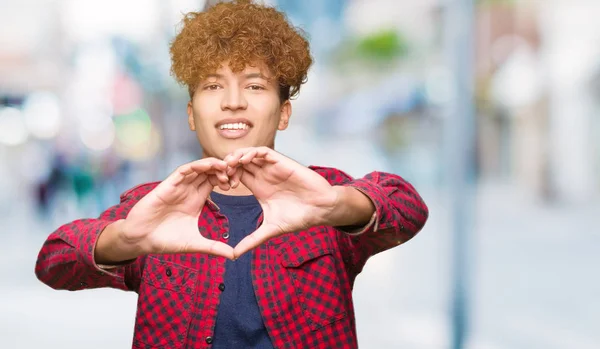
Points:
(89, 109)
(533, 285)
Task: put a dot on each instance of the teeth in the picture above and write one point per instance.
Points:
(236, 126)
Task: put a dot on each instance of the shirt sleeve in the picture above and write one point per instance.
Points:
(400, 213)
(66, 259)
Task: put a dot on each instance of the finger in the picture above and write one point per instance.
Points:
(252, 168)
(224, 186)
(205, 188)
(185, 169)
(222, 176)
(268, 154)
(175, 179)
(199, 180)
(213, 180)
(207, 164)
(179, 175)
(233, 159)
(217, 248)
(260, 162)
(247, 157)
(257, 238)
(230, 170)
(236, 177)
(261, 154)
(212, 247)
(190, 178)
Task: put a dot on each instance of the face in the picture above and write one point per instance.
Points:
(237, 110)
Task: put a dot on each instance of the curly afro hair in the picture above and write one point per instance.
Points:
(242, 34)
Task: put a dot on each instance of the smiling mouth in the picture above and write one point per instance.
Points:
(232, 129)
(234, 126)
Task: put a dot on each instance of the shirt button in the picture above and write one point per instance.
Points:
(222, 287)
(168, 272)
(226, 236)
(209, 340)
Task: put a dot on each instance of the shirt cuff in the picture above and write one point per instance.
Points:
(376, 197)
(87, 248)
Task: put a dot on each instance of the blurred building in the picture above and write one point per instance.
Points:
(537, 108)
(88, 109)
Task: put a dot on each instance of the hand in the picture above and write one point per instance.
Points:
(292, 196)
(166, 219)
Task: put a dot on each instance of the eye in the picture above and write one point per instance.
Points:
(255, 87)
(212, 87)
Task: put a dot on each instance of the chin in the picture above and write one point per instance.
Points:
(230, 147)
(222, 153)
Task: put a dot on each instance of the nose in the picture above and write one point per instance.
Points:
(233, 99)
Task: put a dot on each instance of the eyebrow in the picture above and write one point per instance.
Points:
(255, 75)
(247, 76)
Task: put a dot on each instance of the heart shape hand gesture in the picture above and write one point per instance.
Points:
(292, 198)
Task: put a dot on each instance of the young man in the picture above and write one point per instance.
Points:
(244, 248)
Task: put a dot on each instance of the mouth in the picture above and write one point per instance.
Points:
(233, 128)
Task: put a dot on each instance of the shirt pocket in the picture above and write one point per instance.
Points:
(313, 271)
(165, 304)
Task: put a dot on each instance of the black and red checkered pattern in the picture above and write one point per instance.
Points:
(303, 281)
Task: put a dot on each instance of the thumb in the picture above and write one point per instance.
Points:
(201, 244)
(259, 236)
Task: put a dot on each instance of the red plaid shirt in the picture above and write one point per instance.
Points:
(303, 281)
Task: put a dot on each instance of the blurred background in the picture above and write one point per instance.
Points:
(509, 165)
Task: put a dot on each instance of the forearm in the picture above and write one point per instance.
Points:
(353, 208)
(400, 214)
(112, 249)
(66, 262)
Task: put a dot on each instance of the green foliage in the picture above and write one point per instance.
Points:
(383, 45)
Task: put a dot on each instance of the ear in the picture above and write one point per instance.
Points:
(190, 112)
(284, 115)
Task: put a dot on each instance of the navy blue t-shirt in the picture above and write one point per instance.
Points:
(239, 323)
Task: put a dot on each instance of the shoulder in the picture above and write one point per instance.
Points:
(138, 191)
(332, 175)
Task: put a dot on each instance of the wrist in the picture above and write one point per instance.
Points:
(352, 207)
(113, 246)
